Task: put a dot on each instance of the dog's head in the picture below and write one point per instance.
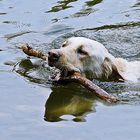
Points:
(79, 54)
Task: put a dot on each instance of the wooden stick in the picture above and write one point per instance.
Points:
(77, 78)
(31, 52)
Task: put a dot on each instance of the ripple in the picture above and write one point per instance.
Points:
(13, 35)
(2, 13)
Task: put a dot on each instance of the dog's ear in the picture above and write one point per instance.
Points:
(110, 71)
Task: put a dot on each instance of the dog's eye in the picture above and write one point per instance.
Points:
(63, 45)
(82, 52)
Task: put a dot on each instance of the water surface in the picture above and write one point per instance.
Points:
(31, 107)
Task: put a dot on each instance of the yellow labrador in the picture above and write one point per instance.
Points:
(93, 60)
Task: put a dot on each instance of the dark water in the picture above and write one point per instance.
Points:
(30, 106)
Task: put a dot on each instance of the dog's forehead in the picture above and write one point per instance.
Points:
(75, 42)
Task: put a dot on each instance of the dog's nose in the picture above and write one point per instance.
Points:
(54, 55)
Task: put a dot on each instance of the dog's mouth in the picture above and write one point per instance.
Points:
(64, 71)
(52, 62)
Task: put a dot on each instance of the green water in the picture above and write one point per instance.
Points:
(31, 107)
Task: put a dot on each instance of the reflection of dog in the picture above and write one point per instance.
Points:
(92, 59)
(63, 101)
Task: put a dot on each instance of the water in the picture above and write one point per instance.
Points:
(31, 107)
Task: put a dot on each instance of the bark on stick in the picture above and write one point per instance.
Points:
(31, 52)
